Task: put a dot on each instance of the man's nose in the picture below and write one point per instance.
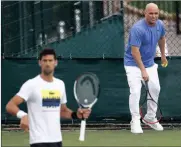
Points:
(47, 64)
(154, 16)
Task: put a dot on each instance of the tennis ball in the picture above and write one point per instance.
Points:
(164, 64)
(85, 101)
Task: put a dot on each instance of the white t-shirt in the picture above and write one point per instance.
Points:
(44, 101)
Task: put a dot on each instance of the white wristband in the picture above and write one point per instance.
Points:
(20, 114)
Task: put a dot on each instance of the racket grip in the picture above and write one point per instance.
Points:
(82, 130)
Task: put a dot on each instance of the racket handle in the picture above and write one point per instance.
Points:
(82, 130)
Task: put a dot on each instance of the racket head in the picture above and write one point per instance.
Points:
(86, 89)
(145, 105)
(144, 111)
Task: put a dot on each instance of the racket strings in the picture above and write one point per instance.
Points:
(85, 94)
(87, 87)
(149, 107)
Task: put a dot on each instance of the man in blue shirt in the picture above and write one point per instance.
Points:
(139, 64)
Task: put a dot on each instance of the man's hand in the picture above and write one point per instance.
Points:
(24, 123)
(164, 61)
(83, 113)
(145, 75)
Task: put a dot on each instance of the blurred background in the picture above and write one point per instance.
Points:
(87, 36)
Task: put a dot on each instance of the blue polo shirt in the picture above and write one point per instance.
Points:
(144, 37)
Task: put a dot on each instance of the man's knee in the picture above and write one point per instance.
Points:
(135, 92)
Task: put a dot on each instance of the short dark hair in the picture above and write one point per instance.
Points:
(47, 51)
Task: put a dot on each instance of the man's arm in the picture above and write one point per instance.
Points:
(136, 35)
(66, 112)
(13, 109)
(69, 114)
(12, 106)
(20, 97)
(137, 57)
(161, 44)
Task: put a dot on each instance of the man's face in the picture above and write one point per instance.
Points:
(151, 15)
(48, 64)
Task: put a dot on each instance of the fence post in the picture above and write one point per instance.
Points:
(77, 21)
(33, 24)
(105, 8)
(25, 27)
(61, 30)
(42, 21)
(91, 13)
(40, 40)
(2, 29)
(178, 17)
(21, 27)
(46, 39)
(110, 3)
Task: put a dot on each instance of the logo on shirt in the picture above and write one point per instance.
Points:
(50, 98)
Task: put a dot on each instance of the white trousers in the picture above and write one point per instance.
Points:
(134, 78)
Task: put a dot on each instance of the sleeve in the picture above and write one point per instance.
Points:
(25, 90)
(135, 37)
(64, 96)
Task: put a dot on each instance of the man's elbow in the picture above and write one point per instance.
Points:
(8, 107)
(134, 53)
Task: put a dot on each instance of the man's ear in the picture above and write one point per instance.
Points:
(56, 63)
(144, 12)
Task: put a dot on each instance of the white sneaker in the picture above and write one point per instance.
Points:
(136, 127)
(157, 126)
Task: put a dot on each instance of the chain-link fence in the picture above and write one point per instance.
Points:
(29, 26)
(170, 13)
(34, 24)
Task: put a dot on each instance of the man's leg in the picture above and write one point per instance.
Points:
(154, 89)
(134, 81)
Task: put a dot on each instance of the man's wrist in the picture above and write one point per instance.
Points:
(21, 114)
(163, 55)
(74, 115)
(143, 69)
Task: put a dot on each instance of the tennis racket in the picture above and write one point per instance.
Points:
(86, 91)
(145, 106)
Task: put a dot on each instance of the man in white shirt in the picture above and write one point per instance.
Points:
(46, 100)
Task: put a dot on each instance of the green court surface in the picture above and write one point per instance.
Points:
(104, 138)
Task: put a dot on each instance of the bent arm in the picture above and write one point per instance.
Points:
(12, 106)
(161, 44)
(65, 112)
